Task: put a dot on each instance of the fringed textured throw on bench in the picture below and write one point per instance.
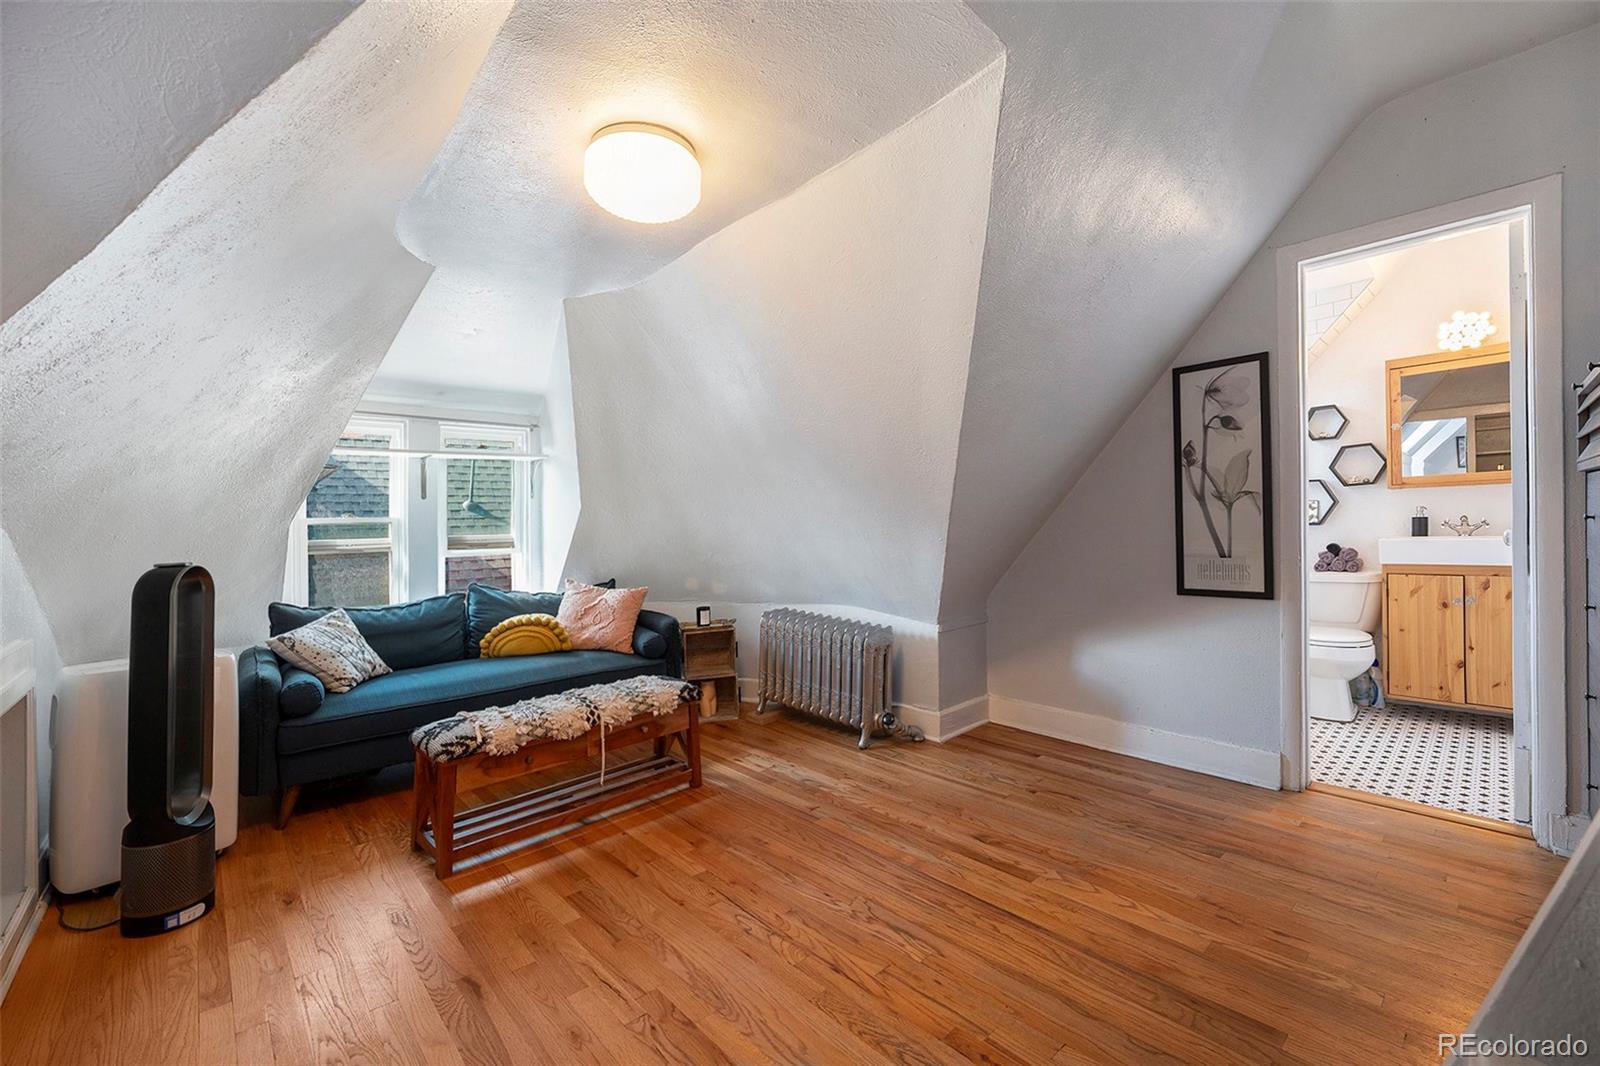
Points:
(560, 716)
(495, 746)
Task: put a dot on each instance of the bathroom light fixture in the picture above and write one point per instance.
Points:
(1466, 329)
(642, 172)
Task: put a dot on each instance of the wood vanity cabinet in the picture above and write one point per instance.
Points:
(1447, 636)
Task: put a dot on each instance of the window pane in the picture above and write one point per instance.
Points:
(478, 492)
(348, 579)
(348, 531)
(462, 570)
(357, 486)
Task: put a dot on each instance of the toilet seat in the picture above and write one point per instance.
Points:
(1339, 637)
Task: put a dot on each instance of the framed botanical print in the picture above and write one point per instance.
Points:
(1222, 477)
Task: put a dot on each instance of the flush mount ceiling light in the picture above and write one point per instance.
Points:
(1466, 329)
(642, 172)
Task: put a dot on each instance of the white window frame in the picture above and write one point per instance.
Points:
(297, 578)
(520, 439)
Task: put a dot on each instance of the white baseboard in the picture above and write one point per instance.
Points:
(1252, 766)
(949, 723)
(935, 725)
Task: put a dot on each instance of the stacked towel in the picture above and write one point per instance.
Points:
(1337, 560)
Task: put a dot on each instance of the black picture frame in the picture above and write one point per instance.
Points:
(1207, 405)
(702, 616)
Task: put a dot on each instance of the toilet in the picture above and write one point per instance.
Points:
(1342, 613)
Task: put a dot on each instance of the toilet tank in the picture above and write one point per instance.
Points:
(1351, 600)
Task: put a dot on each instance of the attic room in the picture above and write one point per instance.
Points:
(541, 532)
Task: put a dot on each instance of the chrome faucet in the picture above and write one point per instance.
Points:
(1463, 527)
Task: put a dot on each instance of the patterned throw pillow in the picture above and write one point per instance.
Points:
(525, 634)
(601, 619)
(331, 648)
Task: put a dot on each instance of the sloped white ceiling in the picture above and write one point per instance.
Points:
(473, 339)
(1145, 152)
(769, 94)
(101, 101)
(173, 394)
(775, 415)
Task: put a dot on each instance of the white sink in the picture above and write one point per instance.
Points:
(1482, 550)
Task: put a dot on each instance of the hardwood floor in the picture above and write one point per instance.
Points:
(1004, 898)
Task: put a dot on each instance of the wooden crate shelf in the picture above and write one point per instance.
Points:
(711, 658)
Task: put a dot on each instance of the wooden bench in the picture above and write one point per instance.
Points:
(449, 835)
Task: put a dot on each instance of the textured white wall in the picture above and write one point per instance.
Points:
(173, 394)
(773, 417)
(21, 618)
(561, 498)
(1467, 273)
(1145, 152)
(103, 99)
(1086, 618)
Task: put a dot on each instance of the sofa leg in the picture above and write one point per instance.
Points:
(286, 801)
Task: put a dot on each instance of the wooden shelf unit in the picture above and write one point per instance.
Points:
(711, 658)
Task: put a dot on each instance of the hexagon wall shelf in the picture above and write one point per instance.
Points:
(1358, 464)
(1325, 422)
(1320, 501)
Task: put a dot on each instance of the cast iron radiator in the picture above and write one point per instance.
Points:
(830, 667)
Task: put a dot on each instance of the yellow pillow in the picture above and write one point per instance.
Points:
(525, 634)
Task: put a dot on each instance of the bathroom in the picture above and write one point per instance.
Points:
(1408, 510)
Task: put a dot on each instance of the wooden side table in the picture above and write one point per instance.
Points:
(711, 658)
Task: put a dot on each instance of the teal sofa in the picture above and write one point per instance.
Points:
(293, 733)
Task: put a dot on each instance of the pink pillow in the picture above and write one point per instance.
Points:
(600, 619)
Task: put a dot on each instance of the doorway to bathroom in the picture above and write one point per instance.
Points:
(1408, 523)
(1421, 648)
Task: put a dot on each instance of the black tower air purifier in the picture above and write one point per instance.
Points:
(169, 853)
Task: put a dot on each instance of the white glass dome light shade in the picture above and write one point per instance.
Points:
(1465, 329)
(642, 172)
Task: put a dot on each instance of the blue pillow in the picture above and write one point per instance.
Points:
(487, 607)
(301, 693)
(405, 635)
(649, 643)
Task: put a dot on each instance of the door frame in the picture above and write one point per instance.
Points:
(1538, 544)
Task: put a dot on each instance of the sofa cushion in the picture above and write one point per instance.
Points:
(332, 648)
(600, 618)
(399, 702)
(405, 635)
(649, 644)
(487, 607)
(525, 634)
(301, 693)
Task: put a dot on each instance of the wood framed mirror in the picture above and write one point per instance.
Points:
(1450, 418)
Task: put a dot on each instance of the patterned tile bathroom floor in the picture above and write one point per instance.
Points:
(1447, 759)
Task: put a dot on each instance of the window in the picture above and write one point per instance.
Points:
(485, 509)
(350, 520)
(409, 507)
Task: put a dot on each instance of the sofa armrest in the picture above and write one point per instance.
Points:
(667, 626)
(260, 683)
